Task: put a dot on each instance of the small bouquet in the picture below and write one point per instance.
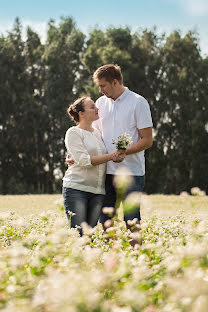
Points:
(124, 140)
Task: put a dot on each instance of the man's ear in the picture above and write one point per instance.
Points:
(115, 82)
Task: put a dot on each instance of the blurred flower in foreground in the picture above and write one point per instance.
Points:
(184, 194)
(122, 181)
(108, 210)
(4, 215)
(123, 178)
(108, 223)
(87, 229)
(136, 236)
(59, 201)
(111, 261)
(200, 304)
(131, 202)
(197, 192)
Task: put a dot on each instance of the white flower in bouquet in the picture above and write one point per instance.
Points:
(124, 140)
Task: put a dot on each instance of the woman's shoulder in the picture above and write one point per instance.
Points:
(73, 130)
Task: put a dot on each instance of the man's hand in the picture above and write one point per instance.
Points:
(119, 156)
(68, 160)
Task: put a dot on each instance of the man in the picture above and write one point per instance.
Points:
(122, 111)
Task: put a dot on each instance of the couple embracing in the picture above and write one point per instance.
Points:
(88, 183)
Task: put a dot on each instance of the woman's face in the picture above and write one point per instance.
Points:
(90, 110)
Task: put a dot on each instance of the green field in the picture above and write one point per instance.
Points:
(45, 266)
(151, 205)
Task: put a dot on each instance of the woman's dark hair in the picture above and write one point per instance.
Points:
(75, 108)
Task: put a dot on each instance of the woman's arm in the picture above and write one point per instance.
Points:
(115, 157)
(77, 149)
(80, 155)
(101, 159)
(97, 160)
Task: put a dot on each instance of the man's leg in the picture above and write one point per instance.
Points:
(137, 186)
(110, 197)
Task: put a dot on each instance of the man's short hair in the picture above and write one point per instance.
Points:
(109, 72)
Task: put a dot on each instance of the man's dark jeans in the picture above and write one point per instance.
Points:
(110, 197)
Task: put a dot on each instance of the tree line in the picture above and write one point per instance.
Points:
(39, 80)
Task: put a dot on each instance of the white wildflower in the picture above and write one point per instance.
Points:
(123, 141)
(110, 261)
(70, 213)
(108, 210)
(110, 229)
(186, 300)
(200, 304)
(59, 201)
(121, 309)
(132, 222)
(184, 194)
(87, 229)
(202, 193)
(10, 288)
(4, 215)
(195, 190)
(108, 223)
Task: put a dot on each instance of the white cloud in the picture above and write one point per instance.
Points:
(204, 43)
(203, 35)
(39, 27)
(5, 26)
(195, 7)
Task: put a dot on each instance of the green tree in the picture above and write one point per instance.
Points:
(62, 65)
(38, 82)
(181, 127)
(12, 97)
(35, 117)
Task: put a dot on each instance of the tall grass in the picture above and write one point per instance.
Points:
(46, 266)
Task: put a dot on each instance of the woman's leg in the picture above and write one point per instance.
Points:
(95, 205)
(76, 202)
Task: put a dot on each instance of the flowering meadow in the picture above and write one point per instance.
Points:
(45, 266)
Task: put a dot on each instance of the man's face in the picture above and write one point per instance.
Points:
(107, 88)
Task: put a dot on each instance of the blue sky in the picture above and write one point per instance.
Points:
(167, 15)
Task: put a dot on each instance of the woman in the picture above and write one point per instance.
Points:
(84, 181)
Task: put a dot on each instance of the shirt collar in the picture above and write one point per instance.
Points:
(122, 96)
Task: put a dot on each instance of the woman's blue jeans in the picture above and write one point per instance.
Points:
(86, 206)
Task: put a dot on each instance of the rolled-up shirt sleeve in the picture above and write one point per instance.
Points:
(76, 148)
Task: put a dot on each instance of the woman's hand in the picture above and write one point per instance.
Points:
(68, 160)
(118, 156)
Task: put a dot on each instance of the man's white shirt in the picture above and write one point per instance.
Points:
(126, 114)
